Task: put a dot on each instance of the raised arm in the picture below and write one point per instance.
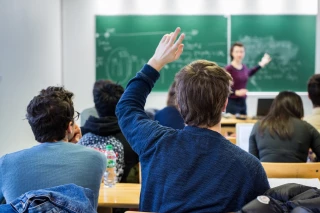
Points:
(264, 61)
(141, 132)
(254, 70)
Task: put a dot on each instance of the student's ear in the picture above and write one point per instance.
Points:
(225, 106)
(70, 128)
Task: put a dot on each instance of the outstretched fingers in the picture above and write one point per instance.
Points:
(174, 35)
(178, 52)
(179, 41)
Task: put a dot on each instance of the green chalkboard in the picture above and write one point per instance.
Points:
(289, 39)
(125, 43)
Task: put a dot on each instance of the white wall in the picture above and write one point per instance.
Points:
(79, 40)
(30, 59)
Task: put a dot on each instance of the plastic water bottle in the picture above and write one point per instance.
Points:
(110, 175)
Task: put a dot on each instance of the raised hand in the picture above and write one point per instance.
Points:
(265, 60)
(168, 50)
(77, 135)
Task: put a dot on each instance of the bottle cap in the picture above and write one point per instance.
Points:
(109, 147)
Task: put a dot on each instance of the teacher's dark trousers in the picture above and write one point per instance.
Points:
(237, 106)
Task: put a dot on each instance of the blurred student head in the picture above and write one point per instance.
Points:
(285, 106)
(314, 90)
(106, 95)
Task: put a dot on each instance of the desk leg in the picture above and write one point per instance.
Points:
(102, 209)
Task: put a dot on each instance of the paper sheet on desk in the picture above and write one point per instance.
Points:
(243, 132)
(313, 182)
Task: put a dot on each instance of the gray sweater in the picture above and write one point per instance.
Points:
(273, 149)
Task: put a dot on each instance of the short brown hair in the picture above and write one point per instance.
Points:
(237, 44)
(314, 89)
(202, 89)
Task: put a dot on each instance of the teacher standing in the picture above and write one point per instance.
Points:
(240, 74)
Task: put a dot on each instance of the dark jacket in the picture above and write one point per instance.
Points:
(273, 149)
(291, 197)
(170, 117)
(108, 126)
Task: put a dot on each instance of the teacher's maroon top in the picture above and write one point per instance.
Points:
(240, 77)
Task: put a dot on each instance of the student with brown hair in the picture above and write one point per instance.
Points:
(195, 169)
(282, 136)
(314, 95)
(170, 115)
(240, 74)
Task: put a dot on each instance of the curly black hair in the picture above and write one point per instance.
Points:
(106, 95)
(50, 113)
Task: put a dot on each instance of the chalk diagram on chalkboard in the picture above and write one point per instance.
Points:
(284, 65)
(120, 64)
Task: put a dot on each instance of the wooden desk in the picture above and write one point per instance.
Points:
(122, 195)
(228, 125)
(127, 195)
(234, 121)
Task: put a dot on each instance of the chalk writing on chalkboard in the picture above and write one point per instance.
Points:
(284, 65)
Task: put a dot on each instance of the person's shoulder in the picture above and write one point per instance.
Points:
(13, 159)
(245, 159)
(245, 67)
(23, 152)
(91, 154)
(83, 149)
(228, 67)
(308, 126)
(256, 125)
(298, 123)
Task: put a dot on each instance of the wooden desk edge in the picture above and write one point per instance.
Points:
(118, 205)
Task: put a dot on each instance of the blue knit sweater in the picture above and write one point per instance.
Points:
(189, 170)
(50, 164)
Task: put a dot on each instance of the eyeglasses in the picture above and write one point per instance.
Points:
(76, 117)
